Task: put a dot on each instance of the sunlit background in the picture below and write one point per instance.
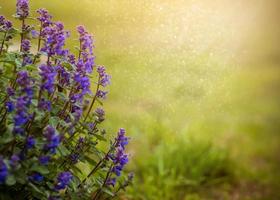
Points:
(196, 83)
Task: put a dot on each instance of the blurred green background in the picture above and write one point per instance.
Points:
(196, 83)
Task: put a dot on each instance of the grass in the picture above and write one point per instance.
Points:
(196, 85)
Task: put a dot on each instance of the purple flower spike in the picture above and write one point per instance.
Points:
(22, 8)
(2, 20)
(120, 159)
(3, 171)
(44, 160)
(10, 106)
(36, 177)
(111, 182)
(14, 160)
(44, 18)
(48, 75)
(26, 45)
(53, 139)
(30, 142)
(101, 94)
(10, 91)
(105, 79)
(63, 179)
(55, 36)
(86, 59)
(45, 105)
(5, 25)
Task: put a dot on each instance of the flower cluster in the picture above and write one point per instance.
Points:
(3, 171)
(84, 65)
(23, 102)
(104, 80)
(54, 36)
(63, 179)
(53, 139)
(44, 18)
(48, 75)
(120, 158)
(49, 120)
(5, 25)
(22, 8)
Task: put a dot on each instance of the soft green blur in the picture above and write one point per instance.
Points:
(196, 84)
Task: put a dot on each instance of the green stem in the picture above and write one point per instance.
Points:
(93, 100)
(98, 164)
(3, 42)
(98, 193)
(21, 35)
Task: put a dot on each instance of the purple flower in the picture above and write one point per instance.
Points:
(101, 94)
(23, 79)
(86, 59)
(44, 160)
(8, 25)
(45, 105)
(55, 37)
(22, 115)
(10, 91)
(63, 179)
(120, 159)
(44, 18)
(80, 142)
(18, 130)
(3, 171)
(111, 181)
(30, 143)
(64, 76)
(2, 20)
(22, 8)
(77, 112)
(74, 157)
(104, 78)
(71, 59)
(36, 177)
(121, 139)
(48, 74)
(10, 106)
(91, 126)
(53, 139)
(27, 60)
(14, 160)
(5, 25)
(83, 83)
(83, 87)
(100, 113)
(25, 45)
(34, 33)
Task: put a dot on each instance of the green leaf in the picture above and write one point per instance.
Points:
(31, 67)
(10, 180)
(100, 137)
(7, 137)
(63, 150)
(76, 169)
(90, 160)
(39, 168)
(37, 189)
(107, 191)
(54, 121)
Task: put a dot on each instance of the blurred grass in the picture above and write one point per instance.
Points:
(196, 84)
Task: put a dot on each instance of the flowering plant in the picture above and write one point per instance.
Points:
(49, 122)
